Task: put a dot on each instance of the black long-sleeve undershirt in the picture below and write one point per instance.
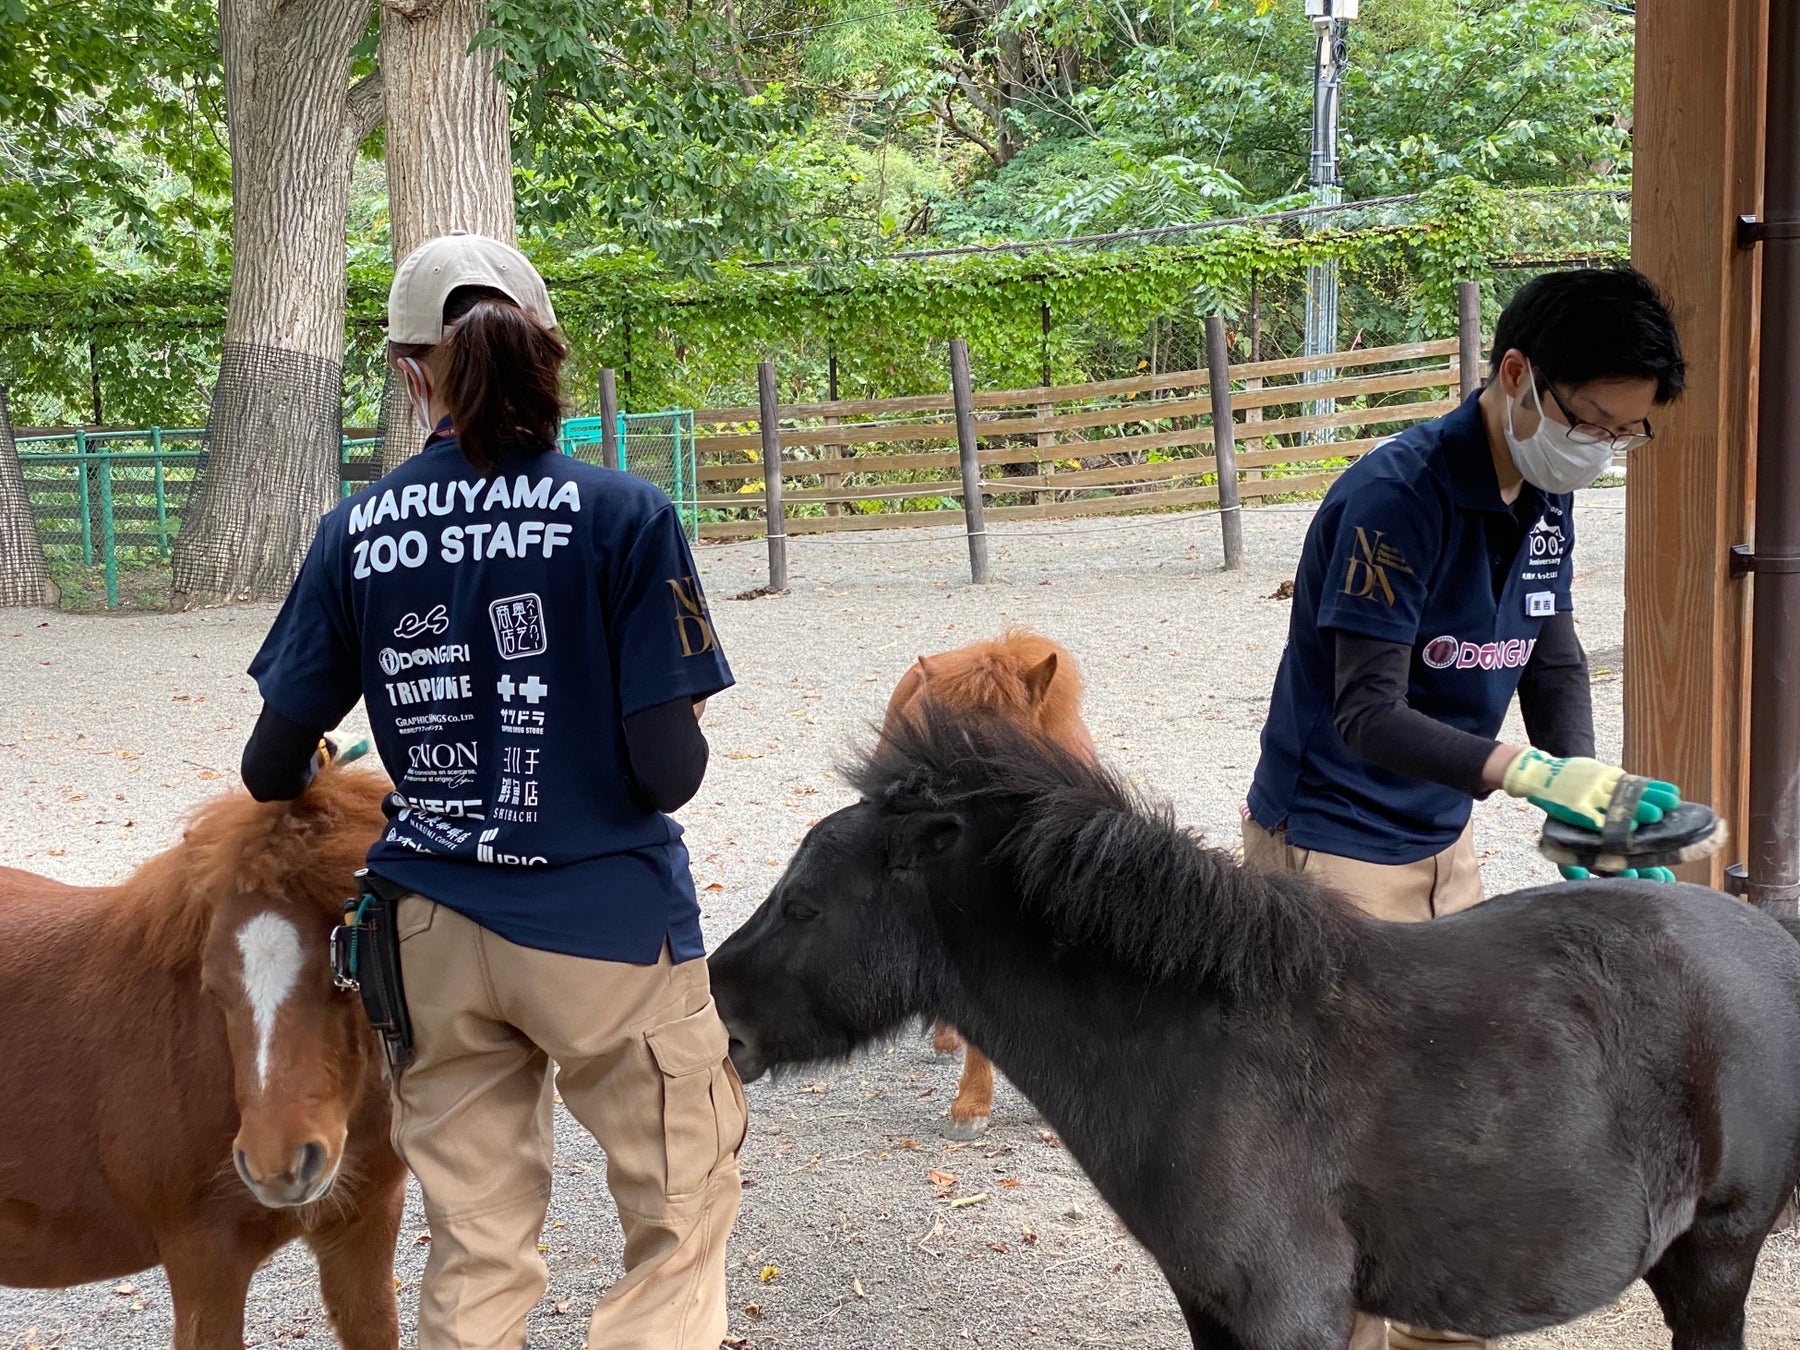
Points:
(665, 747)
(1377, 723)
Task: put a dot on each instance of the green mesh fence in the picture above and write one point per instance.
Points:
(658, 446)
(116, 498)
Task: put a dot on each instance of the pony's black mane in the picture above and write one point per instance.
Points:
(1109, 869)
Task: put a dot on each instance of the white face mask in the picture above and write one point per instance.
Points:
(419, 402)
(1552, 458)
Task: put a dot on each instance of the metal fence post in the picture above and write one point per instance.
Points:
(162, 493)
(1468, 335)
(87, 521)
(962, 395)
(109, 547)
(609, 420)
(770, 413)
(1231, 517)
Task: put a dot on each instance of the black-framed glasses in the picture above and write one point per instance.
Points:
(1586, 433)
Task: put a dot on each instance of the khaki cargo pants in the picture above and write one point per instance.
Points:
(1408, 893)
(640, 1060)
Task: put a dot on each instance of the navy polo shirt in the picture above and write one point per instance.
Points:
(499, 632)
(1411, 545)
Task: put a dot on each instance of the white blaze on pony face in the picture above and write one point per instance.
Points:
(272, 958)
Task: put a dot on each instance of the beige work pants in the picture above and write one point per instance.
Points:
(640, 1060)
(1406, 893)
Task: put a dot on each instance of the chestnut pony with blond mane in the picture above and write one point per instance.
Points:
(1034, 682)
(184, 1085)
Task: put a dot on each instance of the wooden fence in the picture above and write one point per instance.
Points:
(1107, 447)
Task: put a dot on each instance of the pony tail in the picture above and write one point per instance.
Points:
(501, 383)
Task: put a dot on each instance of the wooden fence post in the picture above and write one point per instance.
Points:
(963, 397)
(771, 452)
(1468, 335)
(832, 482)
(609, 418)
(1231, 516)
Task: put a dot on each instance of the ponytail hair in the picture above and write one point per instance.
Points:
(498, 373)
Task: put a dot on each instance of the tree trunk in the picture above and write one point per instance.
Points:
(449, 148)
(24, 574)
(273, 437)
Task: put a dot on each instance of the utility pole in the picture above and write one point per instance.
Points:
(1328, 20)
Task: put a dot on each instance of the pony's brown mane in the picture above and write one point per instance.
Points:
(305, 848)
(990, 675)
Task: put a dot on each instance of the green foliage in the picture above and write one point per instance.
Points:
(632, 126)
(112, 142)
(687, 342)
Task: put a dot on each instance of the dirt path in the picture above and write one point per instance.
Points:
(113, 726)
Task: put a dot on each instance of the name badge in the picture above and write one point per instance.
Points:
(1540, 604)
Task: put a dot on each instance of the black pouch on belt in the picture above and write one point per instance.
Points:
(365, 956)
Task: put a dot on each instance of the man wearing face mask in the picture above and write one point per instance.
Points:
(1433, 586)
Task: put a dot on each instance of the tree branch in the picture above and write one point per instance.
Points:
(364, 107)
(975, 137)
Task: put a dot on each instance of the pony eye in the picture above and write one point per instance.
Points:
(800, 912)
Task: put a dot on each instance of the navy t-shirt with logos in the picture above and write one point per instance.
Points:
(499, 632)
(1412, 545)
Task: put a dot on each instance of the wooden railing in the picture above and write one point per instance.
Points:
(1104, 447)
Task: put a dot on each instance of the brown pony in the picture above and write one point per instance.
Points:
(1034, 682)
(183, 1084)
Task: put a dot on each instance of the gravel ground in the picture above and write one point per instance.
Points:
(114, 726)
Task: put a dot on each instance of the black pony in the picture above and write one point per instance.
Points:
(1491, 1123)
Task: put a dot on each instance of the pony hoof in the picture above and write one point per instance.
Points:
(964, 1130)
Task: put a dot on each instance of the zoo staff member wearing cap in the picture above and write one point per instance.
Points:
(529, 637)
(1434, 583)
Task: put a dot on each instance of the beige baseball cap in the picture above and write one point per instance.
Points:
(424, 280)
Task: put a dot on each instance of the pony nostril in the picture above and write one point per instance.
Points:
(309, 1164)
(241, 1161)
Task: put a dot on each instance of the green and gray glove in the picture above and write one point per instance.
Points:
(1578, 790)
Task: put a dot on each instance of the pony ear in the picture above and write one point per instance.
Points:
(920, 835)
(922, 665)
(1037, 679)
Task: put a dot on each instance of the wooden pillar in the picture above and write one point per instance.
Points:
(1231, 519)
(974, 512)
(769, 416)
(1468, 337)
(1698, 136)
(609, 419)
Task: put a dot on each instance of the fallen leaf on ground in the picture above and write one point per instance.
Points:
(941, 1178)
(857, 1286)
(1009, 1181)
(564, 1306)
(1049, 1137)
(769, 1273)
(126, 1289)
(999, 1247)
(713, 886)
(910, 1145)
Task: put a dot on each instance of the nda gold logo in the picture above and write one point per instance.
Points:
(691, 619)
(1366, 573)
